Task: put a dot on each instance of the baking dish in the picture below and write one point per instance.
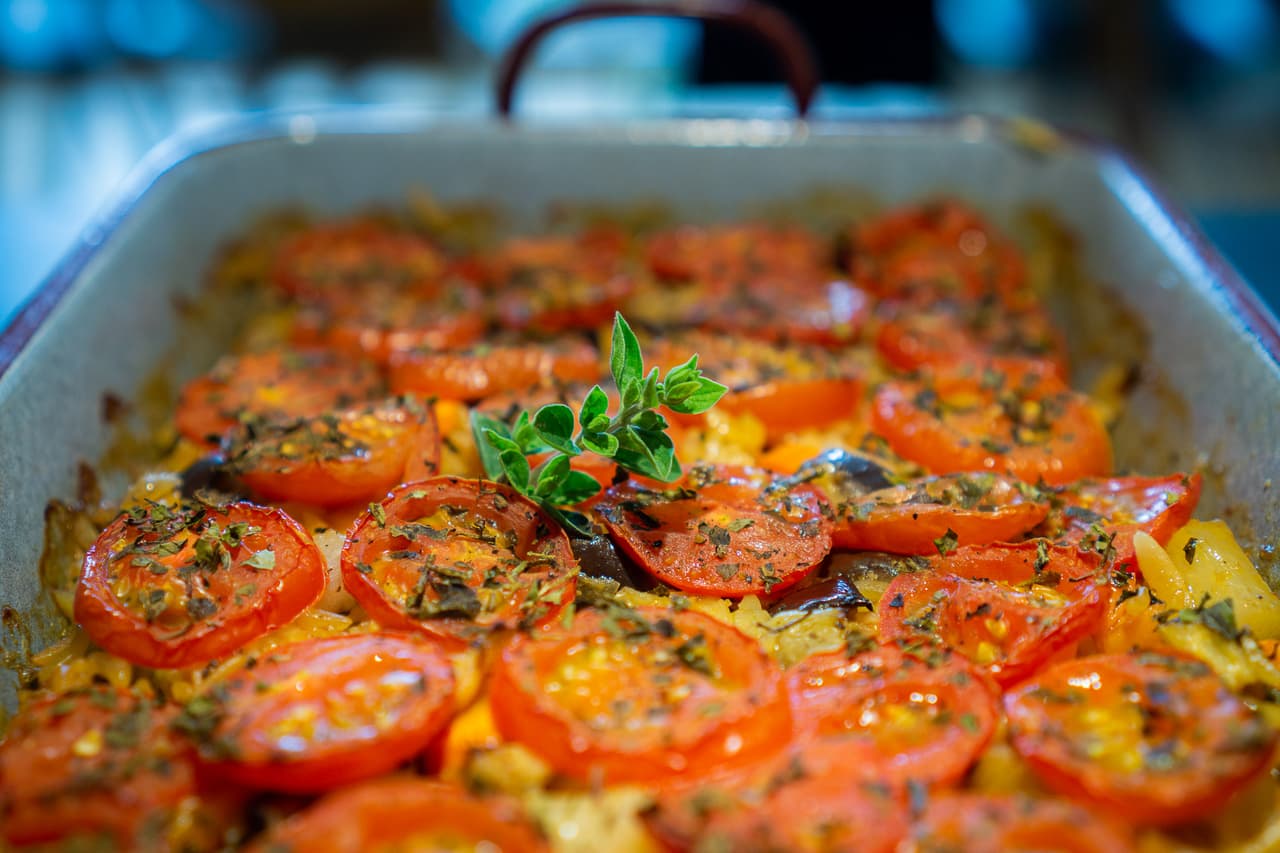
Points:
(113, 312)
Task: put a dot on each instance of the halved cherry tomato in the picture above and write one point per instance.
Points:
(1009, 627)
(720, 530)
(1022, 423)
(821, 310)
(722, 256)
(325, 712)
(1095, 514)
(455, 559)
(982, 333)
(787, 387)
(269, 385)
(553, 284)
(490, 369)
(381, 323)
(96, 762)
(649, 696)
(173, 587)
(933, 250)
(923, 715)
(910, 519)
(342, 260)
(404, 813)
(992, 823)
(340, 457)
(1150, 738)
(809, 814)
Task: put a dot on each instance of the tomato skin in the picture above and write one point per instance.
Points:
(1199, 743)
(396, 810)
(955, 425)
(238, 601)
(58, 781)
(274, 384)
(723, 255)
(979, 602)
(1121, 506)
(379, 325)
(840, 701)
(990, 823)
(689, 728)
(911, 518)
(470, 376)
(817, 309)
(555, 284)
(330, 711)
(384, 560)
(338, 458)
(720, 533)
(331, 261)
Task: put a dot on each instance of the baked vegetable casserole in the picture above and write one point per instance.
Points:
(634, 536)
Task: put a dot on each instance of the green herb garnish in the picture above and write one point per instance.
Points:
(635, 437)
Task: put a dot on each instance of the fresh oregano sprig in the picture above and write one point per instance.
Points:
(635, 437)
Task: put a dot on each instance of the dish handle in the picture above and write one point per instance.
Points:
(770, 25)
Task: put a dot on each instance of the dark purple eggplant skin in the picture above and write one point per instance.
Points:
(847, 474)
(832, 592)
(835, 582)
(600, 558)
(210, 475)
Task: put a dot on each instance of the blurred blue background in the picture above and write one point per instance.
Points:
(1190, 87)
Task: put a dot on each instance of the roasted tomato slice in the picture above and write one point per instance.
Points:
(173, 587)
(982, 333)
(788, 387)
(973, 509)
(404, 813)
(381, 323)
(939, 249)
(1150, 738)
(456, 559)
(1023, 423)
(921, 715)
(338, 457)
(489, 369)
(553, 284)
(720, 531)
(721, 257)
(325, 712)
(1099, 514)
(96, 762)
(997, 610)
(275, 384)
(809, 814)
(336, 262)
(817, 310)
(649, 696)
(993, 823)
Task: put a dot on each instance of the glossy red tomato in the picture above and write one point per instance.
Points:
(1009, 619)
(335, 262)
(1023, 423)
(923, 715)
(993, 823)
(337, 458)
(96, 762)
(175, 587)
(720, 531)
(380, 324)
(649, 696)
(554, 284)
(456, 559)
(1095, 514)
(787, 387)
(720, 257)
(404, 813)
(817, 309)
(938, 249)
(326, 712)
(972, 509)
(982, 333)
(268, 386)
(1150, 738)
(490, 369)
